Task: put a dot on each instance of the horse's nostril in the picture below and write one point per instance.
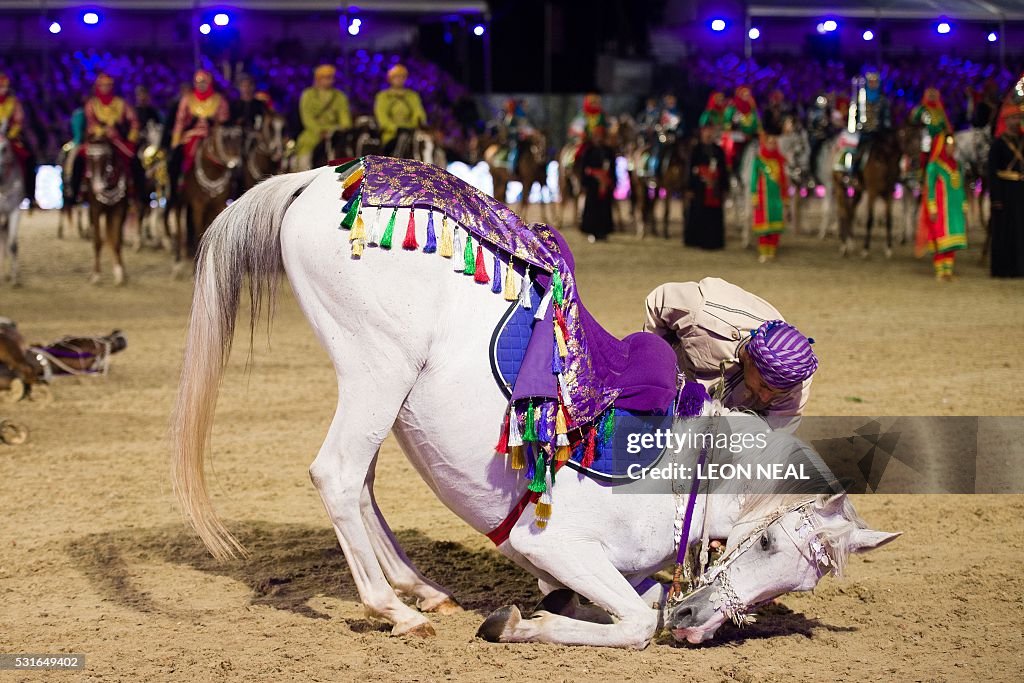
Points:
(682, 614)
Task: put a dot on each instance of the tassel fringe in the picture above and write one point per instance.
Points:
(496, 284)
(468, 262)
(480, 267)
(446, 249)
(409, 243)
(457, 264)
(389, 231)
(511, 294)
(524, 290)
(431, 246)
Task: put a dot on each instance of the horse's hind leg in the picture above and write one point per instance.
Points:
(340, 472)
(888, 227)
(115, 236)
(401, 573)
(871, 222)
(95, 216)
(582, 567)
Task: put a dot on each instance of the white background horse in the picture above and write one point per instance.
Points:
(12, 193)
(409, 340)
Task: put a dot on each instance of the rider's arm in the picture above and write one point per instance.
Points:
(181, 119)
(307, 112)
(92, 124)
(132, 117)
(670, 310)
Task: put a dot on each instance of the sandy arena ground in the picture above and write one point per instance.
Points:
(94, 557)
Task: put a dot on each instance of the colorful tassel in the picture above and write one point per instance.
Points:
(357, 248)
(591, 451)
(608, 428)
(468, 261)
(545, 423)
(496, 284)
(353, 178)
(502, 446)
(348, 206)
(563, 350)
(480, 270)
(431, 246)
(557, 287)
(347, 165)
(531, 464)
(539, 483)
(446, 249)
(561, 425)
(557, 364)
(409, 243)
(358, 231)
(515, 438)
(389, 232)
(542, 510)
(353, 211)
(563, 452)
(530, 429)
(563, 385)
(542, 308)
(524, 290)
(352, 190)
(518, 460)
(458, 264)
(511, 294)
(374, 238)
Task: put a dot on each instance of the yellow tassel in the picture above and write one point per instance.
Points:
(562, 453)
(357, 248)
(543, 512)
(560, 426)
(518, 461)
(358, 231)
(353, 179)
(510, 283)
(563, 350)
(446, 249)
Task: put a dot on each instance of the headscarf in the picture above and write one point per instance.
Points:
(716, 102)
(397, 70)
(202, 75)
(103, 79)
(781, 354)
(1013, 105)
(324, 70)
(743, 100)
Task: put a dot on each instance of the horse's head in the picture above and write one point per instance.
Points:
(101, 166)
(227, 145)
(153, 134)
(790, 549)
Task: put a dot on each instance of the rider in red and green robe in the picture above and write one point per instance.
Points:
(932, 115)
(943, 226)
(740, 116)
(768, 185)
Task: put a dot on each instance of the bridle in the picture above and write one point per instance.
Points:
(806, 540)
(103, 154)
(212, 187)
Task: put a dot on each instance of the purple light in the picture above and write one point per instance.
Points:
(718, 25)
(221, 19)
(754, 33)
(993, 37)
(943, 28)
(90, 18)
(353, 28)
(868, 35)
(204, 29)
(830, 25)
(478, 30)
(55, 27)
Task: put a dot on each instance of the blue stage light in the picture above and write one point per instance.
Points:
(478, 30)
(993, 37)
(718, 25)
(91, 18)
(221, 19)
(754, 33)
(943, 28)
(55, 27)
(868, 35)
(204, 29)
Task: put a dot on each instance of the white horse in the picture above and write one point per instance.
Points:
(12, 193)
(409, 344)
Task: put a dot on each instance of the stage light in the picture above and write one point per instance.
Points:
(718, 25)
(943, 28)
(478, 30)
(829, 25)
(204, 29)
(868, 35)
(820, 28)
(993, 37)
(754, 33)
(357, 21)
(91, 18)
(353, 29)
(55, 27)
(221, 19)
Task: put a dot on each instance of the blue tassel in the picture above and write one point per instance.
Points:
(531, 466)
(348, 205)
(557, 365)
(544, 428)
(431, 246)
(496, 282)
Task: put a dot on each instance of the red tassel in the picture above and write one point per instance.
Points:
(591, 452)
(410, 233)
(502, 447)
(480, 275)
(351, 190)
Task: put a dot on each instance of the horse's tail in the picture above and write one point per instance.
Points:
(243, 240)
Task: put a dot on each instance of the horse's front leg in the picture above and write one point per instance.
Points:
(888, 226)
(95, 216)
(582, 567)
(115, 235)
(666, 211)
(871, 221)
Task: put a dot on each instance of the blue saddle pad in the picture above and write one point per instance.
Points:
(508, 343)
(614, 459)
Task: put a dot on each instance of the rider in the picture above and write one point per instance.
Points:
(12, 123)
(742, 117)
(324, 111)
(669, 125)
(870, 115)
(247, 110)
(714, 112)
(777, 111)
(932, 115)
(983, 106)
(649, 118)
(144, 109)
(943, 224)
(397, 109)
(516, 128)
(737, 345)
(196, 111)
(109, 118)
(590, 117)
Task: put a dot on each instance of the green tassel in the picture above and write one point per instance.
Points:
(608, 429)
(468, 257)
(539, 483)
(347, 165)
(557, 287)
(353, 212)
(389, 232)
(530, 431)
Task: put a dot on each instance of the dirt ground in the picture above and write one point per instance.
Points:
(94, 557)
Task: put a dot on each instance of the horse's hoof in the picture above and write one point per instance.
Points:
(94, 279)
(424, 630)
(13, 434)
(15, 392)
(498, 623)
(446, 606)
(118, 276)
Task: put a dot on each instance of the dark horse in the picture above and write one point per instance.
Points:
(263, 150)
(106, 183)
(531, 168)
(880, 171)
(669, 180)
(361, 139)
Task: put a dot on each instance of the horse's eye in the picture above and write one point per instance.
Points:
(765, 542)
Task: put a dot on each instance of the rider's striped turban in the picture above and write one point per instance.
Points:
(782, 354)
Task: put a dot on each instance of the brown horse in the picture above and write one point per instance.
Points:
(531, 168)
(880, 172)
(649, 186)
(106, 192)
(205, 189)
(264, 149)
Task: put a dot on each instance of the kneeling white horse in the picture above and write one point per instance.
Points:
(409, 345)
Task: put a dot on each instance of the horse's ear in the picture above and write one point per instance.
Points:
(832, 505)
(863, 540)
